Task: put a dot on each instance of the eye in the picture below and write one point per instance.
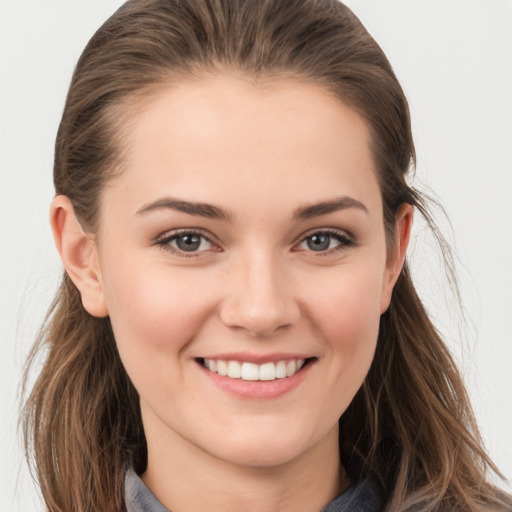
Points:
(325, 241)
(186, 242)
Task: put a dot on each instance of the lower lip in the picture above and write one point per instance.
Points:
(257, 389)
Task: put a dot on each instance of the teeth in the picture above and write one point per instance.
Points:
(280, 370)
(268, 371)
(234, 370)
(222, 367)
(251, 371)
(291, 368)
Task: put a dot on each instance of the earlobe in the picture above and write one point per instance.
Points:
(79, 255)
(397, 253)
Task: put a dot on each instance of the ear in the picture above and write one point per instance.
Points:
(79, 255)
(396, 253)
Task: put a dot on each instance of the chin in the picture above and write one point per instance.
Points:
(271, 449)
(261, 455)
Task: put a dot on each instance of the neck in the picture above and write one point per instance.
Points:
(183, 477)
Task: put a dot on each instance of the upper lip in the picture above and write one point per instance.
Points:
(258, 358)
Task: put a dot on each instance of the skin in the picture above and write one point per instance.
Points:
(255, 288)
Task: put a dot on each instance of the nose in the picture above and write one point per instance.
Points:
(259, 297)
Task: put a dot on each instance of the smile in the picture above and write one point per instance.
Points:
(253, 372)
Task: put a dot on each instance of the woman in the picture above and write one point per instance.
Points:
(237, 327)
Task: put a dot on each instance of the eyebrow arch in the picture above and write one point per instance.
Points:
(192, 208)
(325, 207)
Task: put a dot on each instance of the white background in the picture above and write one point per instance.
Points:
(454, 59)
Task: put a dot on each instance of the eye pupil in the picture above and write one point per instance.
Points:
(188, 242)
(319, 242)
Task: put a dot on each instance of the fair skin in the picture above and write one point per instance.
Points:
(245, 233)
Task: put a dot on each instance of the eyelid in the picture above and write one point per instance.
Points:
(345, 240)
(164, 240)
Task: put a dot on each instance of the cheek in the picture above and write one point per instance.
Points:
(155, 316)
(347, 317)
(347, 311)
(153, 313)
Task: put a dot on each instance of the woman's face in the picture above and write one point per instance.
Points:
(245, 234)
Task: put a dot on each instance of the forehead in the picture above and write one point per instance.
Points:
(222, 138)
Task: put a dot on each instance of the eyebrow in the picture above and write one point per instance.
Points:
(214, 212)
(326, 207)
(192, 208)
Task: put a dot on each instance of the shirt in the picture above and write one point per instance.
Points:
(364, 496)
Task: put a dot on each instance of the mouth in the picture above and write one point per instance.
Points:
(244, 370)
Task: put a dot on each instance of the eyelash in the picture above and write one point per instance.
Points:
(344, 241)
(165, 242)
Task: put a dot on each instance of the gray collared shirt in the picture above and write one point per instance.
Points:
(360, 497)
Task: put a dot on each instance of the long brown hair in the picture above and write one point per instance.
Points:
(410, 425)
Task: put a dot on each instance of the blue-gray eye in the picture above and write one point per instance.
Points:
(319, 242)
(325, 241)
(186, 242)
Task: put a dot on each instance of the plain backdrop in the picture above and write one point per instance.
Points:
(454, 60)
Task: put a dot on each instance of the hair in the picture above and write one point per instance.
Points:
(410, 425)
